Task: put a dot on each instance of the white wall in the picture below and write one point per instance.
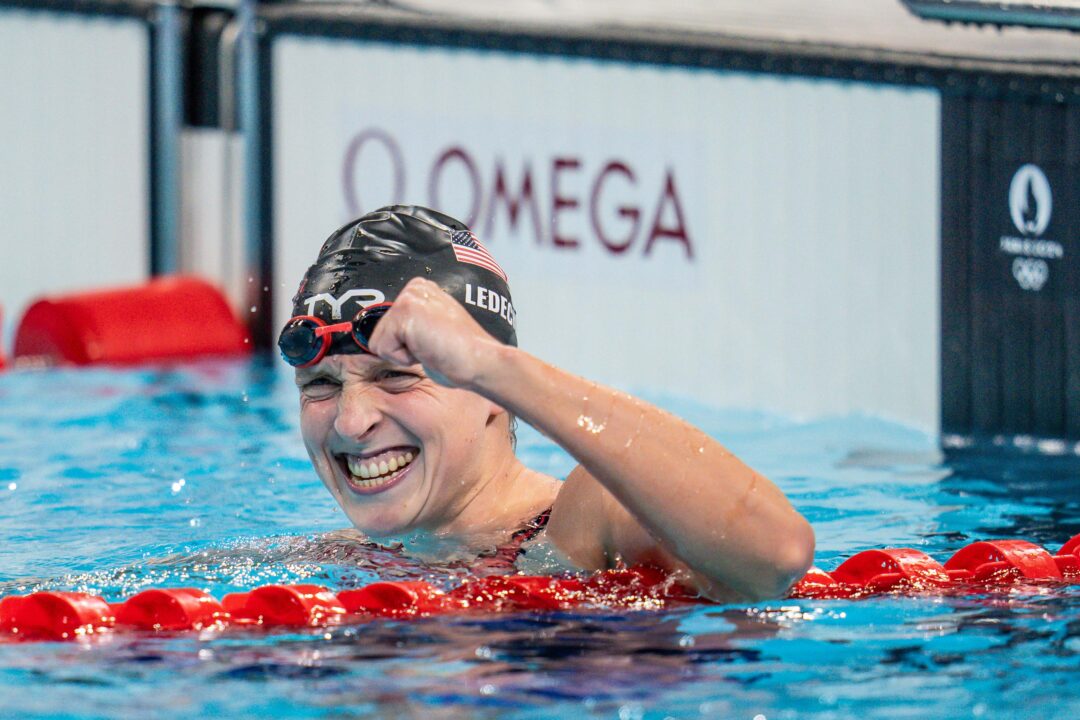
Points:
(74, 164)
(211, 230)
(810, 207)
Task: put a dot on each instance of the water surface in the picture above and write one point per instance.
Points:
(112, 481)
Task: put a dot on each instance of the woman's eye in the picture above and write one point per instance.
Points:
(319, 388)
(395, 380)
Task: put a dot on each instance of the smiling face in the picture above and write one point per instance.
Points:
(396, 450)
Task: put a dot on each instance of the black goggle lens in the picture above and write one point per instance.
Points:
(365, 322)
(298, 342)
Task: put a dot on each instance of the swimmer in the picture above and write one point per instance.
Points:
(405, 349)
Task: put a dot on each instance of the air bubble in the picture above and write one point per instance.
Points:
(12, 486)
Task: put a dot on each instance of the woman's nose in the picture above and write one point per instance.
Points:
(358, 413)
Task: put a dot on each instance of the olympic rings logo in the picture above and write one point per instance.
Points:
(1030, 273)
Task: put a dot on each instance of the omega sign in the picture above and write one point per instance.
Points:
(621, 209)
(1030, 205)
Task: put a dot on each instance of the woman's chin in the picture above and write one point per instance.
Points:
(382, 526)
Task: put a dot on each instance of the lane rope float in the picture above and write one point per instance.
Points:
(980, 567)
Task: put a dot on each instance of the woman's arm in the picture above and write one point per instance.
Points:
(702, 504)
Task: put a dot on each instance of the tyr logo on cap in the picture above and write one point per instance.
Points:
(370, 297)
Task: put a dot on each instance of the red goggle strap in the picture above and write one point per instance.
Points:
(331, 329)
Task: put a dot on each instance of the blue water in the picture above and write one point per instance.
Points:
(113, 481)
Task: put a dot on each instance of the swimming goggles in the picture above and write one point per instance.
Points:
(305, 339)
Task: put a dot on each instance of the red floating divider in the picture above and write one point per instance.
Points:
(1071, 548)
(68, 615)
(298, 605)
(54, 615)
(558, 593)
(1001, 561)
(971, 568)
(884, 570)
(634, 587)
(817, 583)
(509, 593)
(171, 609)
(171, 318)
(1068, 558)
(394, 599)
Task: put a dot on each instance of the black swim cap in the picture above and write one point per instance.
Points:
(371, 259)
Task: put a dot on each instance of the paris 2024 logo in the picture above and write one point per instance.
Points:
(1030, 205)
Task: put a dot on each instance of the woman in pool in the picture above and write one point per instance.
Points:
(405, 353)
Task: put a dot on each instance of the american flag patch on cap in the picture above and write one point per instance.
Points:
(467, 249)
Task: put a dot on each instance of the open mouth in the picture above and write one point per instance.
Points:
(377, 472)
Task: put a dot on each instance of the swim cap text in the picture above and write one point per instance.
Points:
(490, 300)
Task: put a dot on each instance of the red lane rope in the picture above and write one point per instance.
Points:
(972, 569)
(57, 615)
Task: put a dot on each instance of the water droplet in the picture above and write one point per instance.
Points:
(195, 522)
(488, 689)
(12, 486)
(254, 308)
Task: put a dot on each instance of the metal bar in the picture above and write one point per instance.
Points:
(167, 118)
(253, 113)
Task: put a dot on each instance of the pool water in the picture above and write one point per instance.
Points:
(112, 481)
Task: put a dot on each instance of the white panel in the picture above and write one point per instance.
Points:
(810, 207)
(74, 125)
(211, 240)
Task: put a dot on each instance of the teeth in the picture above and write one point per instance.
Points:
(373, 474)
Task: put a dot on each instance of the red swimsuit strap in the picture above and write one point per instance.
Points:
(531, 529)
